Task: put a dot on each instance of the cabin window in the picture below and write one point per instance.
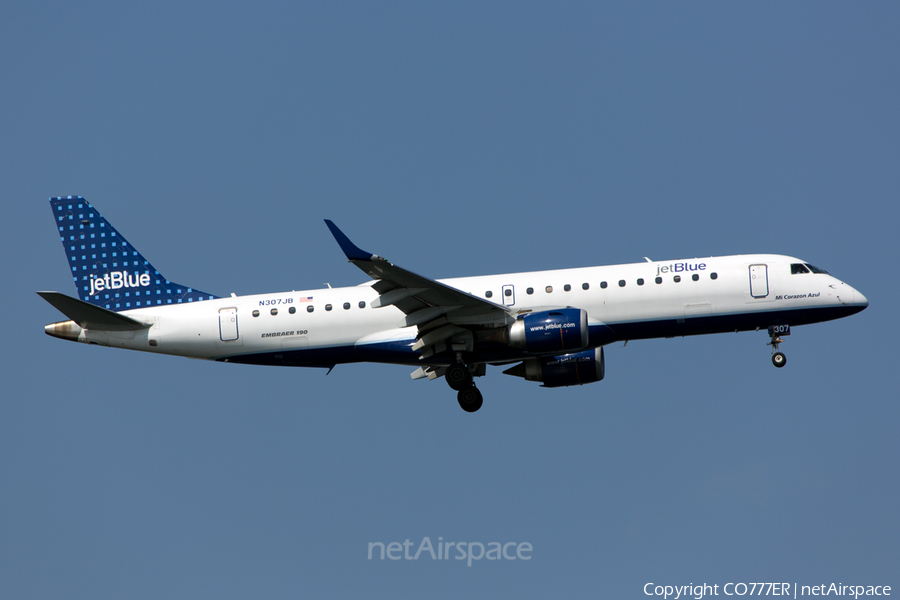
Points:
(507, 292)
(695, 277)
(328, 307)
(549, 289)
(602, 285)
(621, 283)
(677, 278)
(529, 291)
(585, 286)
(255, 313)
(310, 308)
(274, 311)
(488, 294)
(798, 268)
(713, 275)
(346, 306)
(640, 282)
(567, 287)
(362, 303)
(658, 280)
(292, 309)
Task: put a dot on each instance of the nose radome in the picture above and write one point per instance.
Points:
(855, 297)
(850, 296)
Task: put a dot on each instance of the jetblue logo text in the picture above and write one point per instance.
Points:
(118, 279)
(680, 267)
(468, 551)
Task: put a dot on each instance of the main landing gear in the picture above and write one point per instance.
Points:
(469, 398)
(775, 333)
(459, 378)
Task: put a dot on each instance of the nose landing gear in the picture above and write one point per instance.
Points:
(779, 359)
(775, 333)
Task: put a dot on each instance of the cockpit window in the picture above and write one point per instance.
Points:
(816, 269)
(798, 268)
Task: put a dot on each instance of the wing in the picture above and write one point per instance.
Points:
(447, 318)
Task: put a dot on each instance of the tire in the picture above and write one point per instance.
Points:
(779, 359)
(458, 377)
(470, 399)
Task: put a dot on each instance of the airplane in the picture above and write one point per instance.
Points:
(545, 326)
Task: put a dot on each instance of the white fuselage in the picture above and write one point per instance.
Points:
(328, 326)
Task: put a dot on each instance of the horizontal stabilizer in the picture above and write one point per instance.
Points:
(89, 316)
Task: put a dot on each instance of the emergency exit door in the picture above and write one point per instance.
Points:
(509, 295)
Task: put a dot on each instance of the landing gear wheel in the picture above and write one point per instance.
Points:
(469, 399)
(775, 332)
(779, 359)
(458, 377)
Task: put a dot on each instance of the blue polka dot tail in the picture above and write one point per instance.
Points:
(107, 270)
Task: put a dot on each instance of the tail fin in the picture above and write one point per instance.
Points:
(107, 270)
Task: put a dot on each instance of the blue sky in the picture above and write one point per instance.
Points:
(464, 139)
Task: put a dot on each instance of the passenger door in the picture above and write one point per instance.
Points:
(759, 281)
(228, 325)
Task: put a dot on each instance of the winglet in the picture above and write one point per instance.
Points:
(352, 251)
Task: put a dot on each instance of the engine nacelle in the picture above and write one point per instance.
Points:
(561, 330)
(577, 368)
